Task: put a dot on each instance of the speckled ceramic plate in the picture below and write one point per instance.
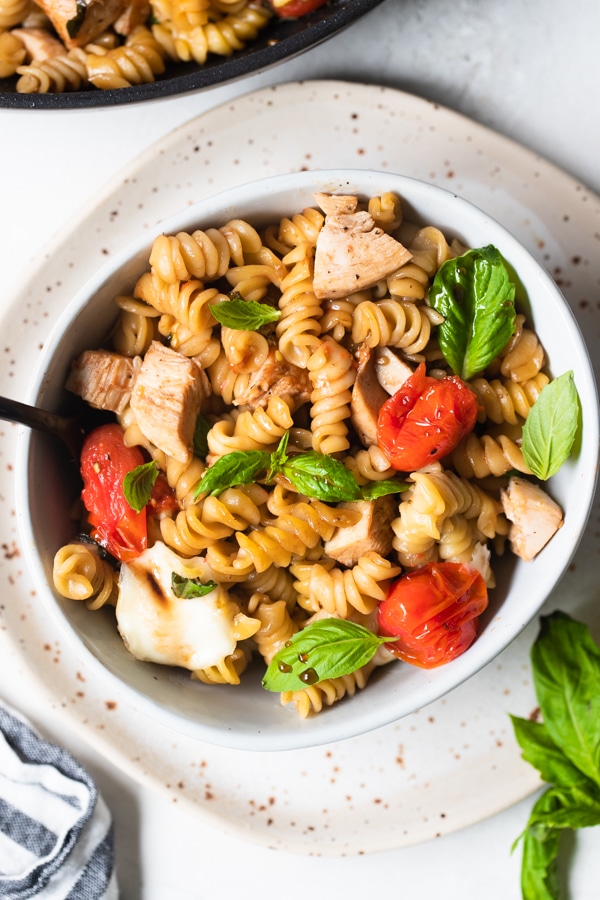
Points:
(451, 764)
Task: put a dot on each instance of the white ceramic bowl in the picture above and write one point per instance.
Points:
(247, 717)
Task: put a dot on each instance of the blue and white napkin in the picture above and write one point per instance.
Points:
(56, 832)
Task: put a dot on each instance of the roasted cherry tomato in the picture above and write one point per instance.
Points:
(105, 460)
(433, 610)
(425, 419)
(295, 8)
(163, 499)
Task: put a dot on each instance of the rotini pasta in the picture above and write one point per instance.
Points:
(134, 49)
(275, 505)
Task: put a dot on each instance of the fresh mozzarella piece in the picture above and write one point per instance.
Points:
(159, 627)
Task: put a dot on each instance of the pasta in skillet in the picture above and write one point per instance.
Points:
(245, 364)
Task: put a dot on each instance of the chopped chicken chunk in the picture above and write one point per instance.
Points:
(368, 397)
(166, 400)
(276, 378)
(77, 24)
(534, 515)
(39, 43)
(373, 532)
(336, 204)
(391, 371)
(103, 379)
(135, 13)
(352, 254)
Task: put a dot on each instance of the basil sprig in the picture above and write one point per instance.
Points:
(550, 428)
(313, 474)
(476, 297)
(138, 484)
(186, 588)
(244, 315)
(327, 648)
(564, 747)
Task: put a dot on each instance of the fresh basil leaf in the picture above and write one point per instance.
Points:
(138, 484)
(186, 588)
(239, 467)
(375, 489)
(566, 673)
(565, 748)
(577, 807)
(327, 648)
(321, 477)
(200, 442)
(539, 869)
(244, 315)
(551, 426)
(540, 751)
(476, 297)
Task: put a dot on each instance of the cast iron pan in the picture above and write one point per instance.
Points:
(281, 40)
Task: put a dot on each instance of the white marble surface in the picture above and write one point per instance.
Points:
(529, 71)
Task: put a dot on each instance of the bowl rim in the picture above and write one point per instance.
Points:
(328, 729)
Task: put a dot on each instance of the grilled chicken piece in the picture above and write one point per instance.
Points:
(534, 515)
(368, 397)
(391, 371)
(166, 400)
(79, 23)
(373, 532)
(103, 379)
(276, 378)
(352, 253)
(136, 13)
(336, 204)
(38, 43)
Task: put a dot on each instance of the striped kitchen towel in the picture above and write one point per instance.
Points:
(56, 832)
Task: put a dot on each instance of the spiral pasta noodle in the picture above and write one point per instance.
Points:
(276, 624)
(299, 327)
(339, 592)
(12, 12)
(479, 457)
(312, 699)
(332, 373)
(504, 400)
(55, 75)
(212, 519)
(394, 323)
(80, 574)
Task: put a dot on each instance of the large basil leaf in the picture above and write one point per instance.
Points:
(566, 672)
(551, 426)
(327, 648)
(321, 477)
(476, 297)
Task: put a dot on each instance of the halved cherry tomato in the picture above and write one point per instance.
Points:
(425, 419)
(295, 8)
(105, 460)
(434, 612)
